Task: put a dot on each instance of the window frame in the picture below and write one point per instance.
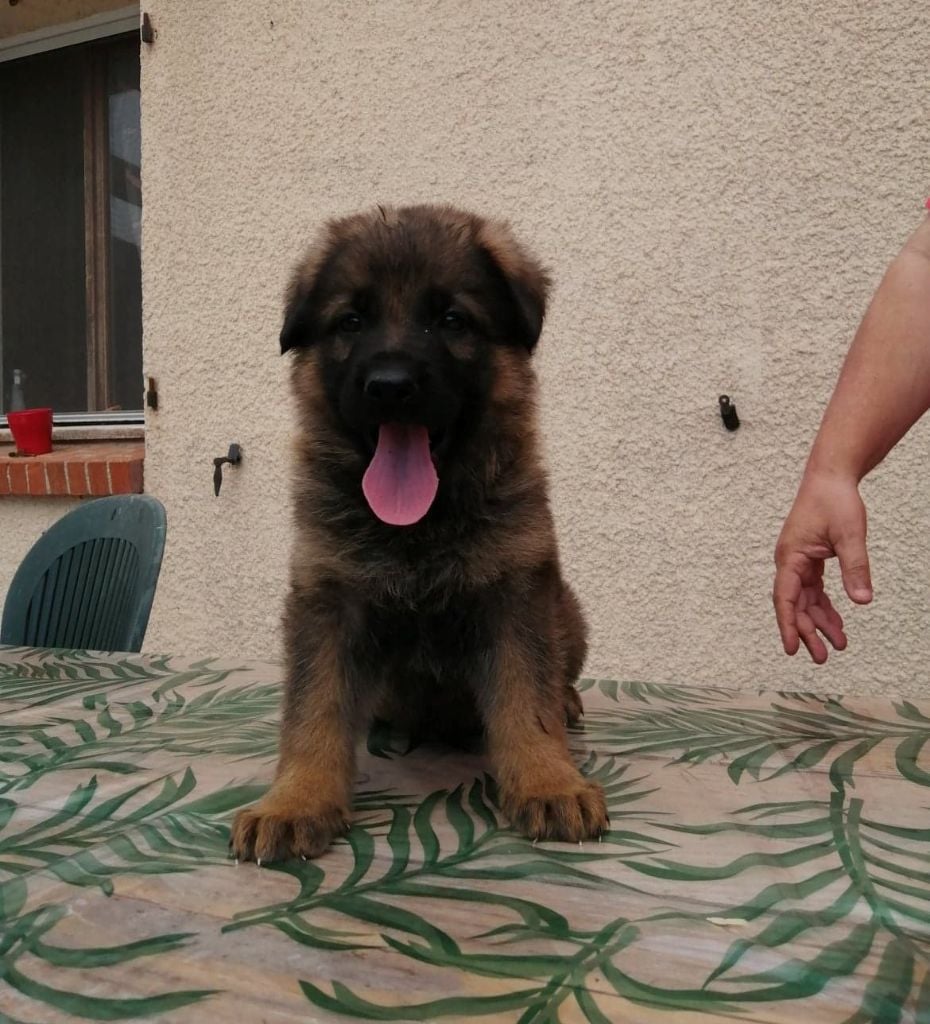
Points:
(96, 28)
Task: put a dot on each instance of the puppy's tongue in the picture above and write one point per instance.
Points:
(401, 483)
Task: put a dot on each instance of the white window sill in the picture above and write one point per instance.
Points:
(81, 432)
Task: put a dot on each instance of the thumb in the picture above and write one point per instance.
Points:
(854, 565)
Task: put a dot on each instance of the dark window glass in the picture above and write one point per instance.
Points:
(70, 210)
(125, 196)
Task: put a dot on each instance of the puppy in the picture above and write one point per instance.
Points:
(425, 584)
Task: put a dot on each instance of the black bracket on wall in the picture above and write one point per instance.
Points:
(728, 413)
(233, 458)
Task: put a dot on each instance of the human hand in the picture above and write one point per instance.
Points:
(827, 520)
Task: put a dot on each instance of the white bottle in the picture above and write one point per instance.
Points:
(17, 399)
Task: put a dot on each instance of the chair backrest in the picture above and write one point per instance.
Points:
(88, 582)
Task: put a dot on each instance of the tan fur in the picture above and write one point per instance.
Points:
(308, 805)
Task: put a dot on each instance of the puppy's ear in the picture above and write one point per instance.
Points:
(303, 297)
(522, 283)
(294, 333)
(300, 324)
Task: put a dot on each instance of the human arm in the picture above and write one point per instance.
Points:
(883, 389)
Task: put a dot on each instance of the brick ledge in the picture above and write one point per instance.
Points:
(91, 469)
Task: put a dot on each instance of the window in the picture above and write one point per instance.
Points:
(70, 212)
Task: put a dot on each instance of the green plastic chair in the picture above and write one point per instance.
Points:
(88, 582)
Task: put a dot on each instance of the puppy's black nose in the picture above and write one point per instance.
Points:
(390, 384)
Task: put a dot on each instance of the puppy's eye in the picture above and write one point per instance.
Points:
(351, 323)
(453, 321)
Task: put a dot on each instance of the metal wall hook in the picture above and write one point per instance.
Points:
(728, 413)
(233, 457)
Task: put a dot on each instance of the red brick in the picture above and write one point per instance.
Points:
(125, 452)
(119, 477)
(99, 478)
(77, 483)
(79, 469)
(126, 477)
(35, 478)
(18, 483)
(57, 479)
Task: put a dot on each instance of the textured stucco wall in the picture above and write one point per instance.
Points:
(717, 188)
(21, 521)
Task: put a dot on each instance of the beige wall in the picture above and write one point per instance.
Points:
(717, 187)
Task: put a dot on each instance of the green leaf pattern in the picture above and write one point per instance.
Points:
(769, 860)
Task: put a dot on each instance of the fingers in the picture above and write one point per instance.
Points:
(828, 622)
(827, 519)
(854, 564)
(831, 612)
(811, 638)
(785, 596)
(817, 616)
(805, 613)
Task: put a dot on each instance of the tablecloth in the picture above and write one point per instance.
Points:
(769, 860)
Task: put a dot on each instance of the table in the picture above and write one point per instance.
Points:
(769, 860)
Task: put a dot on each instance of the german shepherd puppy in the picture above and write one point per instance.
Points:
(425, 582)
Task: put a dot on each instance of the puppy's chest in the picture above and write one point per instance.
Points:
(430, 638)
(460, 576)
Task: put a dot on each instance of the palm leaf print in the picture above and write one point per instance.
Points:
(769, 859)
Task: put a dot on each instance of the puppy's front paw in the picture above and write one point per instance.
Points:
(573, 813)
(276, 830)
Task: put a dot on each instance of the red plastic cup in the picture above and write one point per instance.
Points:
(32, 430)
